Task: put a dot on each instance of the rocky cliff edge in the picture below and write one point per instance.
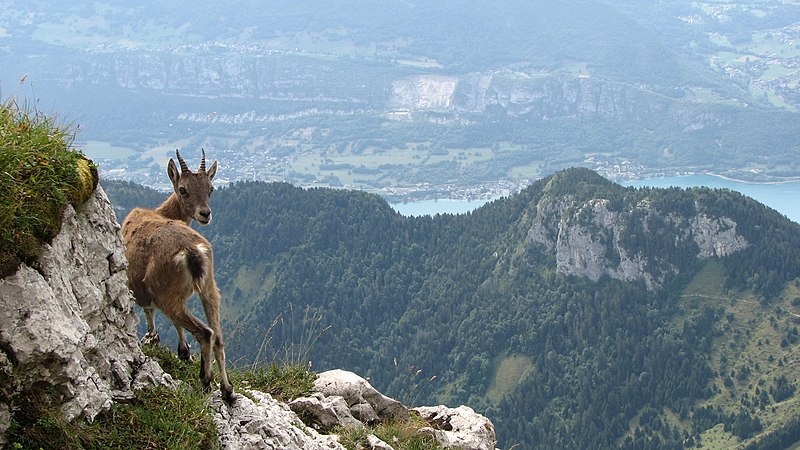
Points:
(69, 322)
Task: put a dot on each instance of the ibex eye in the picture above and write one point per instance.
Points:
(183, 191)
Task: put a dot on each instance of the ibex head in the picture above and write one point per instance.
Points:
(193, 189)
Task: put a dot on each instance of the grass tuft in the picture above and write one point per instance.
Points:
(187, 372)
(283, 383)
(400, 435)
(40, 172)
(158, 418)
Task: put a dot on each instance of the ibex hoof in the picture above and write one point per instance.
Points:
(227, 394)
(207, 381)
(185, 354)
(151, 339)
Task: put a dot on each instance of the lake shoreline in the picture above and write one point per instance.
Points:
(781, 195)
(738, 180)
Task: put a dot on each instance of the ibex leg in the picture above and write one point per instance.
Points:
(211, 307)
(152, 335)
(204, 336)
(183, 347)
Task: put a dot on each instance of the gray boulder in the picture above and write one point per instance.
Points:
(257, 421)
(365, 402)
(460, 428)
(325, 412)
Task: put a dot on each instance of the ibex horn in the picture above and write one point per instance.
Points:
(203, 161)
(184, 167)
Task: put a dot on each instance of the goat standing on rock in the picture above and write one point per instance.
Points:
(168, 261)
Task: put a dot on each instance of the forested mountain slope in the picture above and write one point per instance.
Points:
(575, 314)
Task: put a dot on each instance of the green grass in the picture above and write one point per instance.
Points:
(510, 372)
(283, 383)
(400, 435)
(40, 173)
(747, 349)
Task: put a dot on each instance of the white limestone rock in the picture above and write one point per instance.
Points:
(374, 443)
(70, 322)
(257, 421)
(365, 402)
(458, 428)
(325, 412)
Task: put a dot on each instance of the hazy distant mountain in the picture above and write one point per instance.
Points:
(427, 96)
(575, 314)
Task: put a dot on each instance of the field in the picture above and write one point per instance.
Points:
(510, 371)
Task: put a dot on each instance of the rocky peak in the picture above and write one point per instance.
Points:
(593, 228)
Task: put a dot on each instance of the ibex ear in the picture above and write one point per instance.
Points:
(172, 172)
(212, 171)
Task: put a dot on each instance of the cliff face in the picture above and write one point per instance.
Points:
(554, 96)
(597, 237)
(69, 321)
(293, 83)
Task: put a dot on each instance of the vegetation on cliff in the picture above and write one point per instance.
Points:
(40, 172)
(156, 418)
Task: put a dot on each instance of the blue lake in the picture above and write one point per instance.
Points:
(785, 197)
(438, 206)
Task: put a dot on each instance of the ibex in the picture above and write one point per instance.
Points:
(168, 261)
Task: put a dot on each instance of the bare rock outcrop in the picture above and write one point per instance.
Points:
(365, 402)
(460, 428)
(69, 321)
(257, 421)
(457, 428)
(594, 237)
(326, 412)
(716, 237)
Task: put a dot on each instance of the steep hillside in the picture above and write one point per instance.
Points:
(577, 313)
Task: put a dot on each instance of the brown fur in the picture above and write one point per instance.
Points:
(168, 261)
